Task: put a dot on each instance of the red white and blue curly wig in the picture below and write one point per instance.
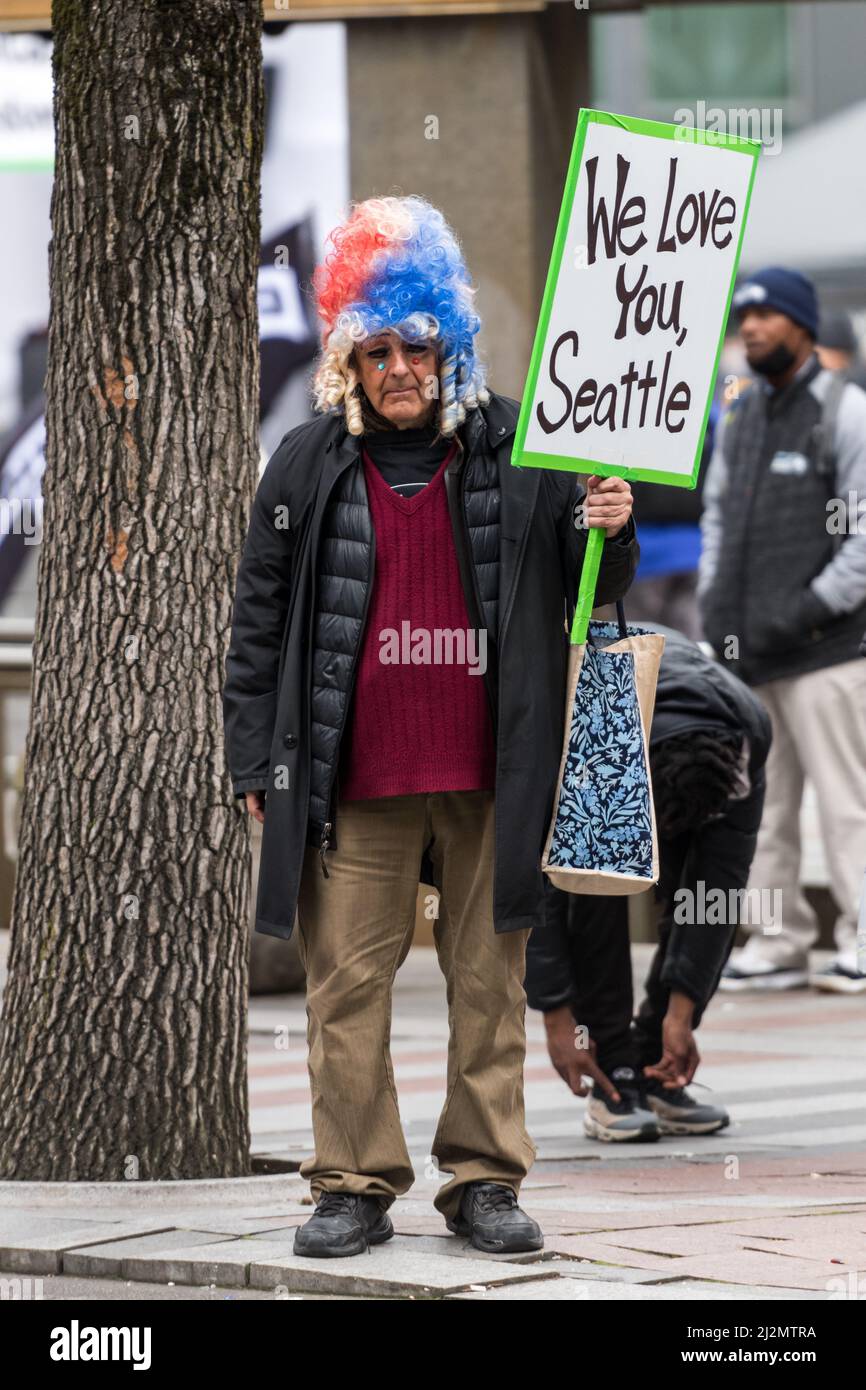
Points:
(396, 265)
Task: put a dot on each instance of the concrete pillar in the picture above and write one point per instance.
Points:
(505, 91)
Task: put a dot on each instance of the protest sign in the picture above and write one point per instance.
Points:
(637, 296)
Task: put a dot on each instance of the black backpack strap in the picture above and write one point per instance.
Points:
(750, 399)
(824, 439)
(824, 432)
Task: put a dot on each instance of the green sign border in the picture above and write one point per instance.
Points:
(520, 458)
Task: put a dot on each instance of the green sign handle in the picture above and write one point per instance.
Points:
(588, 579)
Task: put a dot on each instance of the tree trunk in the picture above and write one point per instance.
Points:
(123, 1040)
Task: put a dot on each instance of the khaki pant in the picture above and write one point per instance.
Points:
(819, 732)
(355, 929)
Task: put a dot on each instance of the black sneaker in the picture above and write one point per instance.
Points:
(628, 1120)
(679, 1113)
(344, 1223)
(490, 1217)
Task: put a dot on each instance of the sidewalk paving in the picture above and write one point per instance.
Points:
(772, 1208)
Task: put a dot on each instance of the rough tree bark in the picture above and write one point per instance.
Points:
(123, 1040)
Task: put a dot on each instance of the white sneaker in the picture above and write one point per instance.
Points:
(749, 971)
(841, 976)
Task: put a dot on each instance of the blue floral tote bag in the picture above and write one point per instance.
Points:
(602, 837)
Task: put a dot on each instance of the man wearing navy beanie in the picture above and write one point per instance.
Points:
(782, 593)
(786, 292)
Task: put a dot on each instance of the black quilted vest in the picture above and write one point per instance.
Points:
(343, 571)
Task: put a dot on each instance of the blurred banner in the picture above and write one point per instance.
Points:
(22, 460)
(287, 327)
(26, 111)
(288, 344)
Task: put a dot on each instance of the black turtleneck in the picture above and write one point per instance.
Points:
(407, 459)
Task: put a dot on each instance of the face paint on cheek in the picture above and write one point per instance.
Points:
(380, 366)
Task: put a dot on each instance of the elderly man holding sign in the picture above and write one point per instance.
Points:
(372, 753)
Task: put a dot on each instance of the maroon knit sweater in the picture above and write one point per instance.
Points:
(419, 726)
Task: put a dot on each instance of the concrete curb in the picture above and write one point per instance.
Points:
(222, 1192)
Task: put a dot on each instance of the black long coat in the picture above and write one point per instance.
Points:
(271, 725)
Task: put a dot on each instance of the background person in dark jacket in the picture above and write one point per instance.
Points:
(708, 744)
(394, 521)
(837, 346)
(782, 590)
